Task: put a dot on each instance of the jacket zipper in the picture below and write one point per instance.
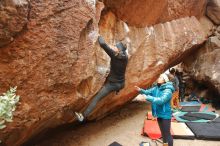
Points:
(156, 106)
(163, 105)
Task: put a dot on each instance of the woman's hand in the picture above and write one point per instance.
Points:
(137, 88)
(140, 98)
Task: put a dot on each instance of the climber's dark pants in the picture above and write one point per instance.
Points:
(106, 89)
(164, 125)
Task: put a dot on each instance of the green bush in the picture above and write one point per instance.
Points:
(8, 103)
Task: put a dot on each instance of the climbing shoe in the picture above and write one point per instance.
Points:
(79, 116)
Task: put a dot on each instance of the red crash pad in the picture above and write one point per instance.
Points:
(152, 130)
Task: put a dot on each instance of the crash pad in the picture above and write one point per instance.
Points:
(179, 114)
(151, 129)
(180, 130)
(208, 131)
(192, 106)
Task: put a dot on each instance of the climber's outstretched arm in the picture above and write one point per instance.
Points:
(107, 49)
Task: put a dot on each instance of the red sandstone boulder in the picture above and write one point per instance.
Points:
(58, 66)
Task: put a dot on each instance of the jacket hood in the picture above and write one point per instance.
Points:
(167, 85)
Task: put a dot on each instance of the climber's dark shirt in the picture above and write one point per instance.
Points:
(118, 62)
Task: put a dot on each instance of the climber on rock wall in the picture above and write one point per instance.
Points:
(116, 78)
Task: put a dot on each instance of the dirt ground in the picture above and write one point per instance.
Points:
(123, 126)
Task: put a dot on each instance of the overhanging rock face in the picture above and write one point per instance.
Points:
(58, 65)
(152, 50)
(148, 12)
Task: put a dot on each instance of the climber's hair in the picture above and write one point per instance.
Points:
(124, 42)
